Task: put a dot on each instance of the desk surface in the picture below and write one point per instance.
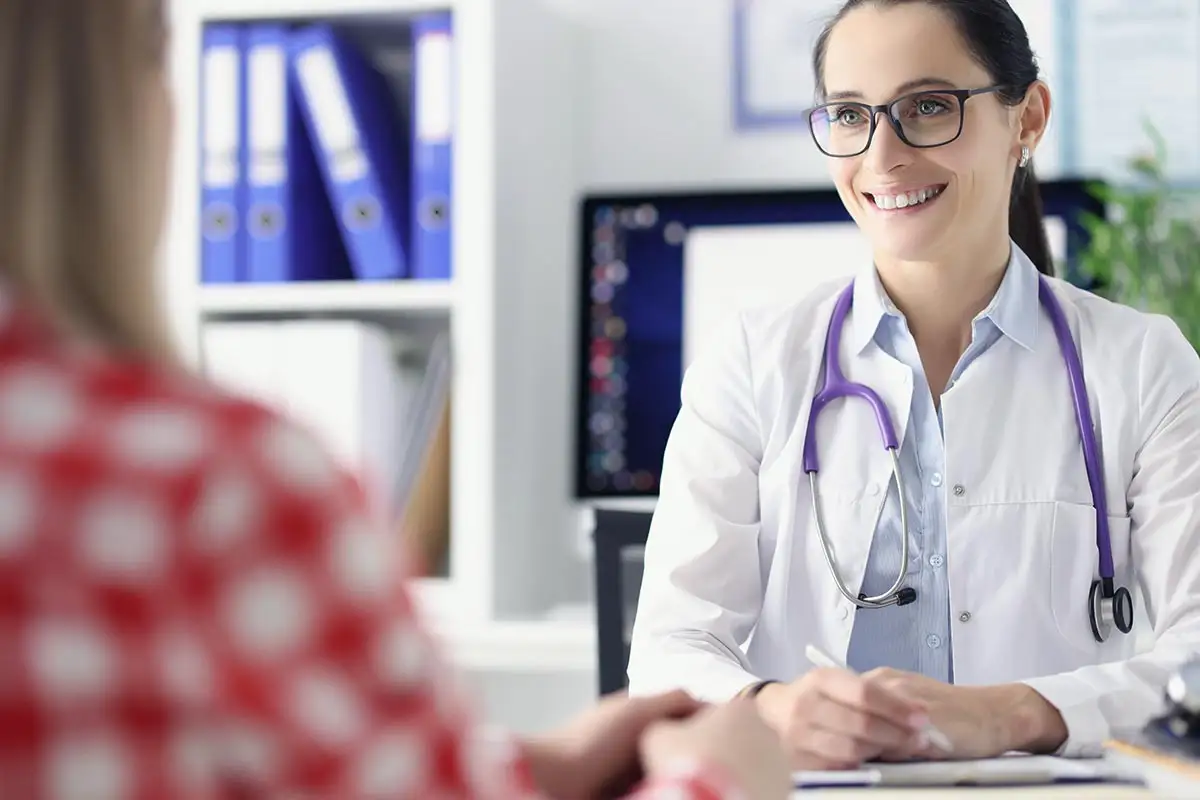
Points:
(1085, 791)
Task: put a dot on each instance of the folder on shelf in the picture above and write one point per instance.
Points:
(432, 145)
(291, 233)
(351, 115)
(222, 153)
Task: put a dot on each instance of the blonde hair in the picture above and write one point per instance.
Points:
(77, 232)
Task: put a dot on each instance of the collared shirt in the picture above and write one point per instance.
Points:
(916, 637)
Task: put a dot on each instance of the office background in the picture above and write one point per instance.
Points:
(552, 100)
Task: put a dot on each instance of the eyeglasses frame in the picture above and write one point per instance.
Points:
(873, 111)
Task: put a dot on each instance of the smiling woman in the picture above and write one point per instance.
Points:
(951, 530)
(982, 46)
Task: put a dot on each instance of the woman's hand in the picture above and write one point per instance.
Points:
(835, 719)
(731, 737)
(980, 721)
(596, 754)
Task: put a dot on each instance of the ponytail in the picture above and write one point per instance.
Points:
(1025, 223)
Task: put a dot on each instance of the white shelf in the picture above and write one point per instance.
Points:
(289, 299)
(211, 10)
(522, 646)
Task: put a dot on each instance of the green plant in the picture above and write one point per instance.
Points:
(1147, 252)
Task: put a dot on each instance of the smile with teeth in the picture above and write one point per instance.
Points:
(892, 202)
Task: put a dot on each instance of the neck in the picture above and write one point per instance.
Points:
(940, 300)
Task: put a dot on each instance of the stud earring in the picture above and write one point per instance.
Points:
(1024, 156)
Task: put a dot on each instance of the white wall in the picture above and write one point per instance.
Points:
(656, 107)
(656, 104)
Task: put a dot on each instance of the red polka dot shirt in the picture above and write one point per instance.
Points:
(195, 603)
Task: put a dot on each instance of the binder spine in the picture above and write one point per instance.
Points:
(345, 108)
(433, 145)
(222, 154)
(269, 212)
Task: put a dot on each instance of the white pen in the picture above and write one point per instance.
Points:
(817, 657)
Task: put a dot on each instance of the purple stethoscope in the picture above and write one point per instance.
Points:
(1109, 606)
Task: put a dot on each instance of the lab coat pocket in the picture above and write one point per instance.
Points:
(1075, 564)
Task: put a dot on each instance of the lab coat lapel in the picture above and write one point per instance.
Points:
(856, 471)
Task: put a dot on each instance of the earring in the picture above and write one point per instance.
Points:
(1024, 156)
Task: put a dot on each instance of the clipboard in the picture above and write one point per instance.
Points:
(1015, 770)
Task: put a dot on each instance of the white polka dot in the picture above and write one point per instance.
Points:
(269, 614)
(247, 751)
(71, 659)
(18, 511)
(192, 763)
(298, 458)
(487, 751)
(159, 438)
(227, 510)
(187, 673)
(404, 656)
(362, 561)
(38, 408)
(124, 536)
(393, 765)
(95, 766)
(325, 705)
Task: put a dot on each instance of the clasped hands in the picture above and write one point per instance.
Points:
(836, 719)
(606, 751)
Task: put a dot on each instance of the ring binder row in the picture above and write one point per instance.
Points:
(310, 168)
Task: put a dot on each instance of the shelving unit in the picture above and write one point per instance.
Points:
(513, 551)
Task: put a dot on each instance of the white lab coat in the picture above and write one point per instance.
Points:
(735, 582)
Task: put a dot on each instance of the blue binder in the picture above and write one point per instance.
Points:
(351, 114)
(222, 154)
(433, 145)
(291, 233)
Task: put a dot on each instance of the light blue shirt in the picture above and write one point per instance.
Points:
(916, 637)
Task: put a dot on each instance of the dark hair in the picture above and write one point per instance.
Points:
(997, 40)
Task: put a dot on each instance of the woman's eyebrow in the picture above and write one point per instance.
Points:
(907, 86)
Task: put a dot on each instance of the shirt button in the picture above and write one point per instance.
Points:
(845, 613)
(936, 560)
(873, 489)
(936, 479)
(964, 616)
(959, 490)
(934, 641)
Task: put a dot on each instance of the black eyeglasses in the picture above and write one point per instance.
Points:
(931, 118)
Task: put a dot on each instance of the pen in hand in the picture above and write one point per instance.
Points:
(820, 659)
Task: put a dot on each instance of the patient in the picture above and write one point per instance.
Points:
(193, 601)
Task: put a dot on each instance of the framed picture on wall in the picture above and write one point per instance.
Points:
(773, 80)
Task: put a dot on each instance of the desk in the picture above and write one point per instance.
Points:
(1084, 791)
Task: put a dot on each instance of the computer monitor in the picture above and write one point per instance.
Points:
(661, 270)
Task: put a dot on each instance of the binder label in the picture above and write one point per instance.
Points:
(221, 121)
(268, 115)
(331, 112)
(435, 89)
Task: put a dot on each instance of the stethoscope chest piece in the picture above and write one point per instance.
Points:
(1109, 608)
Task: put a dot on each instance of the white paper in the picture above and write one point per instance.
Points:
(267, 74)
(1137, 61)
(435, 88)
(1006, 770)
(728, 269)
(336, 130)
(221, 120)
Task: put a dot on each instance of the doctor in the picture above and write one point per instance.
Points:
(995, 598)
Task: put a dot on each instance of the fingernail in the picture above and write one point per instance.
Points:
(918, 721)
(921, 740)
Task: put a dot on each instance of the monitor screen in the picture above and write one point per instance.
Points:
(660, 271)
